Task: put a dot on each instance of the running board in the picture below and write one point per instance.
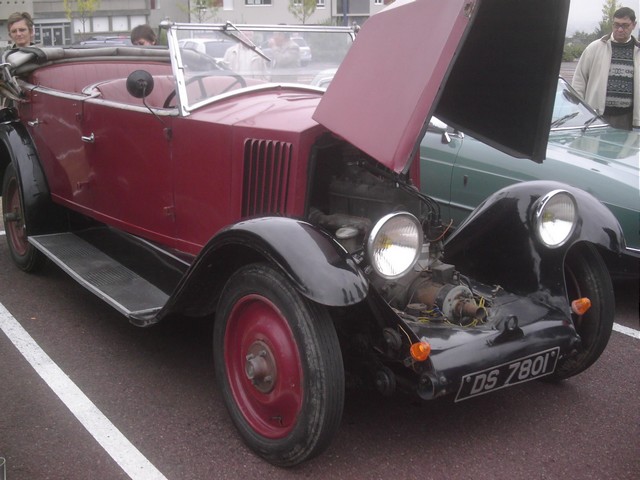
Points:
(120, 287)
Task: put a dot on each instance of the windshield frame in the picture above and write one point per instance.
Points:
(573, 114)
(236, 33)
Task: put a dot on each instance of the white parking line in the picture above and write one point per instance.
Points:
(626, 330)
(127, 456)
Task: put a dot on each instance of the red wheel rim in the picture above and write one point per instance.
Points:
(263, 366)
(14, 221)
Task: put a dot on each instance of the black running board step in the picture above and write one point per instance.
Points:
(114, 283)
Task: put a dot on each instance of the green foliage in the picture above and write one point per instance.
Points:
(575, 45)
(302, 9)
(201, 10)
(83, 10)
(572, 52)
(608, 9)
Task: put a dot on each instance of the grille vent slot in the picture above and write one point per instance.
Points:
(266, 175)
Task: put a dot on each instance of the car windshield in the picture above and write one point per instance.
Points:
(571, 112)
(213, 60)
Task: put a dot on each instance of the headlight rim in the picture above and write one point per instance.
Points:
(373, 234)
(538, 217)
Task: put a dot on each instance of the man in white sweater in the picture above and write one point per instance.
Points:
(607, 74)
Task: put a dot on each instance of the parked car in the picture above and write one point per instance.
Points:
(105, 40)
(214, 47)
(305, 50)
(459, 171)
(287, 214)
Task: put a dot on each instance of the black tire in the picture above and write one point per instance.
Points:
(279, 366)
(586, 275)
(24, 255)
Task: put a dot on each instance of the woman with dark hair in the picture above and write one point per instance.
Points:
(143, 35)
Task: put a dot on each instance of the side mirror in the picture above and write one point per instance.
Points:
(436, 125)
(139, 83)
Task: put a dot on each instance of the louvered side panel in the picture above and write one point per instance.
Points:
(266, 174)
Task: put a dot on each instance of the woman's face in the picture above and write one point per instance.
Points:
(20, 33)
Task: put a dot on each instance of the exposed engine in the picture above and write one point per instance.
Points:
(356, 194)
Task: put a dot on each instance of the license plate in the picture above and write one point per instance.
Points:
(508, 374)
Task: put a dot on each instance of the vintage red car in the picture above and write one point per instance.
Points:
(175, 185)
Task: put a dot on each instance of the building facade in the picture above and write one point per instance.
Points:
(117, 17)
(333, 12)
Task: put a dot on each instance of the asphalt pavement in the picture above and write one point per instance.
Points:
(146, 406)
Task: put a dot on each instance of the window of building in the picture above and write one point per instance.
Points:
(53, 33)
(257, 2)
(100, 24)
(320, 3)
(136, 20)
(120, 23)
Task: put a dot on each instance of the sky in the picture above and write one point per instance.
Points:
(584, 15)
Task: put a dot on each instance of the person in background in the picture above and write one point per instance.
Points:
(285, 52)
(285, 55)
(143, 35)
(245, 61)
(607, 75)
(20, 26)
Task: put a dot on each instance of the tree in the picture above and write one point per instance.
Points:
(201, 10)
(606, 24)
(302, 9)
(83, 11)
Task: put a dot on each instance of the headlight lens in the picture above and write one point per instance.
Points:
(555, 218)
(395, 244)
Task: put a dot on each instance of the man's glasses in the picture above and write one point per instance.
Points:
(621, 26)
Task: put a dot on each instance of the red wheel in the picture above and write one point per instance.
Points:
(263, 366)
(279, 366)
(25, 255)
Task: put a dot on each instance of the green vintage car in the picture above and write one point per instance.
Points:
(460, 172)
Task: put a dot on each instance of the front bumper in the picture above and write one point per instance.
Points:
(523, 340)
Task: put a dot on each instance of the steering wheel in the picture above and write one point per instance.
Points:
(238, 79)
(197, 78)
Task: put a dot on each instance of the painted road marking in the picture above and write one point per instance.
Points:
(626, 330)
(127, 456)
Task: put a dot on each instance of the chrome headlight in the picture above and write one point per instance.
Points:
(394, 244)
(555, 217)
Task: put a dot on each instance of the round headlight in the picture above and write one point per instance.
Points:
(395, 244)
(555, 218)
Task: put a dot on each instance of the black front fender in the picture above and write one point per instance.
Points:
(318, 267)
(497, 244)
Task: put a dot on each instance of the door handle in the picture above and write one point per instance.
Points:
(90, 139)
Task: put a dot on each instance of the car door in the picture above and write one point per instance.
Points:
(129, 152)
(438, 152)
(481, 170)
(54, 121)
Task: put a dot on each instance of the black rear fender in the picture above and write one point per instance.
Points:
(41, 215)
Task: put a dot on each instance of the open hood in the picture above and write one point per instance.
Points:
(486, 67)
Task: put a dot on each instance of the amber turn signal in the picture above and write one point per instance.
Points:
(420, 351)
(580, 306)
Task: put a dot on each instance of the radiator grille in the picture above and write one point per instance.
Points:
(266, 174)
